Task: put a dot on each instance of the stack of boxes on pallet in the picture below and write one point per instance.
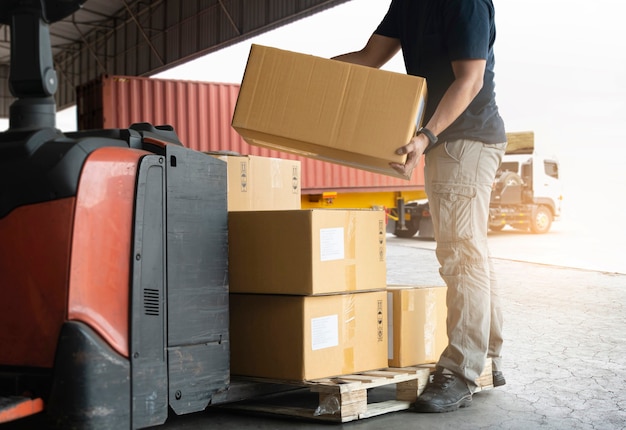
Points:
(308, 293)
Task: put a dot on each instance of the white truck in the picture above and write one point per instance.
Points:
(527, 192)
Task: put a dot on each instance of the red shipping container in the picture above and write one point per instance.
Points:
(201, 114)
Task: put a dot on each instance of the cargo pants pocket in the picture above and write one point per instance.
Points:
(455, 211)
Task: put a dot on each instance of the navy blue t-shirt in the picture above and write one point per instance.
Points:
(433, 33)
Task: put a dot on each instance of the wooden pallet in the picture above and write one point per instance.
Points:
(345, 398)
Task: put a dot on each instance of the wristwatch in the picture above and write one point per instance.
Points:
(432, 139)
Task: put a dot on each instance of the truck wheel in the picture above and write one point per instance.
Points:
(412, 227)
(541, 220)
(510, 178)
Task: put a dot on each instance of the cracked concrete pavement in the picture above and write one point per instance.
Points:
(565, 350)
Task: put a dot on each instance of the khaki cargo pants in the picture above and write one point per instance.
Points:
(459, 175)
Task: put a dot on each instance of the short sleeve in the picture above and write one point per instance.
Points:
(467, 24)
(389, 25)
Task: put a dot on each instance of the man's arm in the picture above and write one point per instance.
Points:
(468, 82)
(378, 50)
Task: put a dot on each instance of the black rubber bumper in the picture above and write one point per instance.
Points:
(91, 382)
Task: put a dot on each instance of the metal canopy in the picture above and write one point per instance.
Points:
(141, 38)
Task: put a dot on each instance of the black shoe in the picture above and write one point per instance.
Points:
(446, 393)
(498, 378)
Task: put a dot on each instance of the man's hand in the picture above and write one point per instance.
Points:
(414, 150)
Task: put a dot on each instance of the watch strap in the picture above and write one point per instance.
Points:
(432, 139)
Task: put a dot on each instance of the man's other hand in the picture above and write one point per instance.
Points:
(413, 150)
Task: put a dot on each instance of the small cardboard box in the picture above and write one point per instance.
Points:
(307, 251)
(327, 109)
(417, 324)
(262, 183)
(307, 337)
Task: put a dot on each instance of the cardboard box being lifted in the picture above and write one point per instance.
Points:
(417, 324)
(262, 183)
(327, 109)
(307, 251)
(307, 337)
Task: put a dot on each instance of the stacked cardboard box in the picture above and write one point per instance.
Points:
(307, 251)
(417, 324)
(290, 337)
(308, 296)
(262, 183)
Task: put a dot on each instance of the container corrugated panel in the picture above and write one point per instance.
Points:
(201, 114)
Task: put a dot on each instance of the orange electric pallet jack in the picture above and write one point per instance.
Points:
(113, 258)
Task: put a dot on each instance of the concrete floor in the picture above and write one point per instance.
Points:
(565, 355)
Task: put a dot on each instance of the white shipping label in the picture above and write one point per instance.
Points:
(331, 244)
(324, 332)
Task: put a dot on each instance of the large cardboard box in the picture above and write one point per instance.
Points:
(262, 183)
(417, 324)
(307, 337)
(307, 251)
(327, 109)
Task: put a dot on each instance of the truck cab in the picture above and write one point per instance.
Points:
(527, 191)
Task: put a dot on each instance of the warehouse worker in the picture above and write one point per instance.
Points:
(450, 43)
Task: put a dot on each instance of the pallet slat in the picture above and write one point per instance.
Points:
(381, 408)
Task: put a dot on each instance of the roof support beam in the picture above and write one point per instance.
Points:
(230, 18)
(143, 33)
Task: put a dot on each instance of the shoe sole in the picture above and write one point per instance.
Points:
(464, 402)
